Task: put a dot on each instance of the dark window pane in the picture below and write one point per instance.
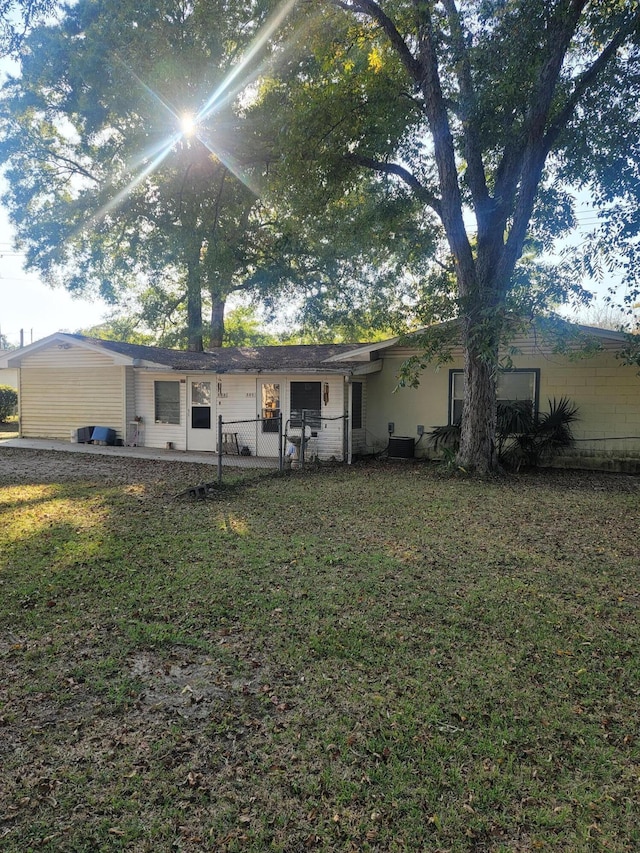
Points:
(306, 396)
(514, 386)
(201, 417)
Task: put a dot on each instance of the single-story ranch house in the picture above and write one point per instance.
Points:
(163, 397)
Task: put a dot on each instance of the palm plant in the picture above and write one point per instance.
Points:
(523, 438)
(550, 435)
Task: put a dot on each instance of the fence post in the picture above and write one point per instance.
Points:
(303, 430)
(280, 449)
(219, 450)
(346, 444)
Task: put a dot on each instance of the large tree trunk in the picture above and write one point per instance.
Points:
(477, 451)
(194, 307)
(481, 333)
(217, 321)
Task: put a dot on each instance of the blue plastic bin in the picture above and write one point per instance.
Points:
(103, 435)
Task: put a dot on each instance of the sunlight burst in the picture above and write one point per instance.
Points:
(190, 126)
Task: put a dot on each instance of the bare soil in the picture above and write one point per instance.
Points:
(18, 465)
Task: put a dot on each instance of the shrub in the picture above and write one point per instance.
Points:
(549, 434)
(523, 439)
(8, 402)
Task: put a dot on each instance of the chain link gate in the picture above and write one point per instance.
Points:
(250, 443)
(272, 444)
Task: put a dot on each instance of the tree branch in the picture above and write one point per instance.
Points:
(539, 144)
(586, 80)
(510, 171)
(475, 174)
(425, 195)
(72, 166)
(524, 162)
(444, 151)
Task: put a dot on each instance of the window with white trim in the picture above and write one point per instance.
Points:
(513, 386)
(166, 402)
(306, 397)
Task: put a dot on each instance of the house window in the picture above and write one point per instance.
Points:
(307, 397)
(356, 405)
(513, 385)
(167, 402)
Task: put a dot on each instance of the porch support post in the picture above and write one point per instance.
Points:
(280, 448)
(219, 450)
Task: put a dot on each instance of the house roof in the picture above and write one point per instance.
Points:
(347, 359)
(543, 333)
(301, 358)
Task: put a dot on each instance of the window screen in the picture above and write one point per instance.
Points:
(513, 385)
(167, 402)
(306, 396)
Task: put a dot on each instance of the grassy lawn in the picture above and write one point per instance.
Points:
(366, 659)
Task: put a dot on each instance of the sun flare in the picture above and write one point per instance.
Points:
(188, 124)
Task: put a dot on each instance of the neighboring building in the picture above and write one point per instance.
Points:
(69, 381)
(8, 376)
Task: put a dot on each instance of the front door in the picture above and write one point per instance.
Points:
(201, 434)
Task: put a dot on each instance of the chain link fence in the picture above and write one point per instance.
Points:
(273, 444)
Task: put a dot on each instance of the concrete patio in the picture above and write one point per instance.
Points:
(203, 458)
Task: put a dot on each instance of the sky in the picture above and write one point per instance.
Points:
(27, 303)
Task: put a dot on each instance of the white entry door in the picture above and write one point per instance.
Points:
(201, 428)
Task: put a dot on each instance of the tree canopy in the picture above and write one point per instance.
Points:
(16, 19)
(108, 183)
(138, 156)
(491, 114)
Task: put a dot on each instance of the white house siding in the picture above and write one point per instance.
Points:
(238, 402)
(608, 397)
(62, 389)
(405, 407)
(157, 435)
(329, 443)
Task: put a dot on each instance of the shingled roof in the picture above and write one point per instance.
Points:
(290, 358)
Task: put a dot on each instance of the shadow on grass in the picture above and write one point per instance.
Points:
(374, 660)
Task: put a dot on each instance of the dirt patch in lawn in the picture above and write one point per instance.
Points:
(184, 683)
(18, 465)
